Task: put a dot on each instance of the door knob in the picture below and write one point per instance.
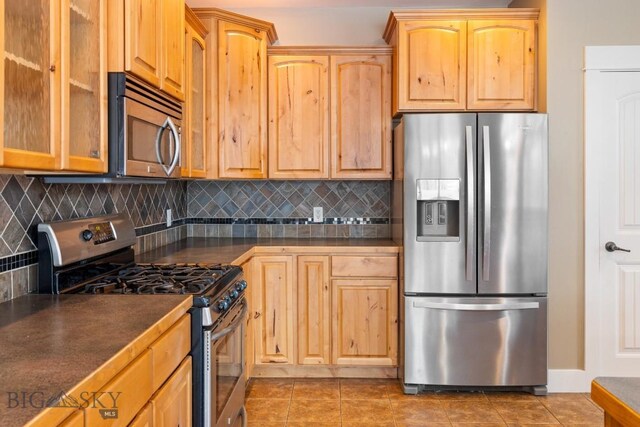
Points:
(612, 247)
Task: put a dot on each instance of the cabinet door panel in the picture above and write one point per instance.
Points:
(242, 65)
(172, 62)
(172, 403)
(143, 24)
(298, 117)
(144, 417)
(84, 86)
(314, 327)
(31, 71)
(273, 295)
(361, 117)
(193, 160)
(365, 326)
(502, 64)
(432, 63)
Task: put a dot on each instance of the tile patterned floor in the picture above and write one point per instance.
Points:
(363, 402)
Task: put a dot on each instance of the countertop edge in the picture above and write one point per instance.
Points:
(109, 369)
(270, 250)
(613, 405)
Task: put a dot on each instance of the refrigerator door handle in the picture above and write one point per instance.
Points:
(476, 307)
(486, 226)
(471, 204)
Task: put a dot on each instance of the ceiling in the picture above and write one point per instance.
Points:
(391, 4)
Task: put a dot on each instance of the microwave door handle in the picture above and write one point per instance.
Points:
(158, 143)
(175, 146)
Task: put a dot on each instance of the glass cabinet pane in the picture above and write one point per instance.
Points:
(84, 78)
(27, 90)
(197, 105)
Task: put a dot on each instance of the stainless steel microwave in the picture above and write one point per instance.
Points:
(144, 130)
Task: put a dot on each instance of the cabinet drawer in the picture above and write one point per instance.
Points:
(133, 384)
(169, 350)
(364, 266)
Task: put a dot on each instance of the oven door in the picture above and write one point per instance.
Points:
(151, 141)
(224, 370)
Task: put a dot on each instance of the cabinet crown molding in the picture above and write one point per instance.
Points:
(236, 18)
(195, 22)
(454, 14)
(329, 50)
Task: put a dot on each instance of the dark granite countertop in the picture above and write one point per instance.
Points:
(227, 250)
(50, 344)
(625, 389)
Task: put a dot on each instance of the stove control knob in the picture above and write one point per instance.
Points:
(241, 285)
(233, 294)
(87, 235)
(223, 305)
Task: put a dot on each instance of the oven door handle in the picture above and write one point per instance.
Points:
(174, 140)
(231, 327)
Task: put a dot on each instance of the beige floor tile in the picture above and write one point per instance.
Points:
(478, 424)
(588, 396)
(562, 397)
(418, 411)
(457, 395)
(426, 424)
(532, 425)
(524, 412)
(510, 396)
(363, 389)
(313, 424)
(575, 412)
(471, 412)
(369, 424)
(369, 410)
(270, 388)
(314, 410)
(316, 389)
(266, 424)
(267, 410)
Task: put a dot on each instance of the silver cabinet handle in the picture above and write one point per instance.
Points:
(477, 307)
(486, 226)
(471, 203)
(174, 140)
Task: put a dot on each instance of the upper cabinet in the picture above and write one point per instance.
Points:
(361, 116)
(153, 42)
(237, 93)
(298, 117)
(194, 147)
(464, 59)
(53, 85)
(329, 113)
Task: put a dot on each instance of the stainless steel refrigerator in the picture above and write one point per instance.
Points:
(475, 250)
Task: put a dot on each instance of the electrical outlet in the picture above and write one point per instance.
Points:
(169, 219)
(318, 216)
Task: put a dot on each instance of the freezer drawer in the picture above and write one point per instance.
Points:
(475, 341)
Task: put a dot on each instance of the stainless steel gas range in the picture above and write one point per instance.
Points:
(96, 256)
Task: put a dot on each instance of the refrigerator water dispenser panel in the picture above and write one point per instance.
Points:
(438, 216)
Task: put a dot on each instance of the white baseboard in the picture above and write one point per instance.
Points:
(569, 381)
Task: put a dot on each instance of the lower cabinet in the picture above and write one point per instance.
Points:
(75, 420)
(336, 310)
(365, 321)
(273, 306)
(144, 417)
(172, 403)
(250, 356)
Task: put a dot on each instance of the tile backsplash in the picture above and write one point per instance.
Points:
(200, 208)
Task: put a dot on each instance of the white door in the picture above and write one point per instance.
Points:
(613, 123)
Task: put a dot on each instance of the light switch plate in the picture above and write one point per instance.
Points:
(318, 215)
(169, 218)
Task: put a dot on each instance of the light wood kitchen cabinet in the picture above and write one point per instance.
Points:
(154, 42)
(314, 310)
(361, 117)
(273, 297)
(75, 420)
(144, 417)
(242, 85)
(298, 117)
(250, 355)
(432, 63)
(142, 41)
(53, 96)
(172, 403)
(365, 326)
(194, 135)
(471, 59)
(502, 64)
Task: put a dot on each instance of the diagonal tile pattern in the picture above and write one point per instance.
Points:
(371, 402)
(287, 199)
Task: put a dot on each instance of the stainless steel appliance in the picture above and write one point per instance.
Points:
(95, 256)
(475, 250)
(144, 130)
